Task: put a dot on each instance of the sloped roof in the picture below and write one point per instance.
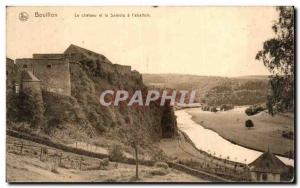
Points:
(8, 60)
(268, 163)
(10, 63)
(27, 76)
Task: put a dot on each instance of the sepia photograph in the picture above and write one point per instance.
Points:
(150, 94)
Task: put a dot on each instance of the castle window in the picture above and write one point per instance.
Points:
(49, 66)
(24, 66)
(17, 89)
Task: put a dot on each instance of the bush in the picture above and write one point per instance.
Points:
(213, 109)
(54, 170)
(209, 108)
(158, 156)
(104, 163)
(116, 153)
(11, 106)
(205, 108)
(31, 108)
(162, 165)
(252, 110)
(225, 107)
(159, 172)
(168, 122)
(288, 134)
(249, 124)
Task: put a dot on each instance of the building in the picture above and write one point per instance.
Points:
(54, 74)
(267, 168)
(53, 70)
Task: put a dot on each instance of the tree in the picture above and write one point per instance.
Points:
(278, 56)
(31, 109)
(168, 121)
(249, 124)
(136, 136)
(255, 109)
(11, 106)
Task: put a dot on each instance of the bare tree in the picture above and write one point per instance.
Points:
(135, 135)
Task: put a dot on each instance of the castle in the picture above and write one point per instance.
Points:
(51, 72)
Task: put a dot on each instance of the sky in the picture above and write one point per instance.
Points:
(214, 41)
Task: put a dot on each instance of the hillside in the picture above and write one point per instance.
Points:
(215, 90)
(30, 166)
(80, 117)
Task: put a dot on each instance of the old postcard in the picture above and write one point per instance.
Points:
(150, 94)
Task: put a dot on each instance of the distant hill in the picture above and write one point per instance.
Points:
(255, 77)
(215, 90)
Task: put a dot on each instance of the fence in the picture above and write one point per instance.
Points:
(58, 158)
(197, 173)
(54, 157)
(214, 165)
(74, 150)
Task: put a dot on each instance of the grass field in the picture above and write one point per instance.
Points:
(267, 131)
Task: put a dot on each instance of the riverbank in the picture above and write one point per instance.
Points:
(267, 131)
(182, 150)
(211, 142)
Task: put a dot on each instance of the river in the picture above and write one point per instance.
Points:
(211, 142)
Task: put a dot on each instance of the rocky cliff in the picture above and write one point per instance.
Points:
(80, 116)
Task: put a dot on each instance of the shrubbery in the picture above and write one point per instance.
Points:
(116, 153)
(288, 135)
(31, 109)
(249, 124)
(158, 156)
(252, 110)
(161, 165)
(238, 93)
(209, 108)
(225, 107)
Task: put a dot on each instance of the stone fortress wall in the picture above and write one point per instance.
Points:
(53, 73)
(53, 70)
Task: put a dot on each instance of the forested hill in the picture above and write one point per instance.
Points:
(215, 90)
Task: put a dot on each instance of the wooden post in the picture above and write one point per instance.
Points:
(136, 161)
(41, 153)
(80, 161)
(60, 158)
(21, 148)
